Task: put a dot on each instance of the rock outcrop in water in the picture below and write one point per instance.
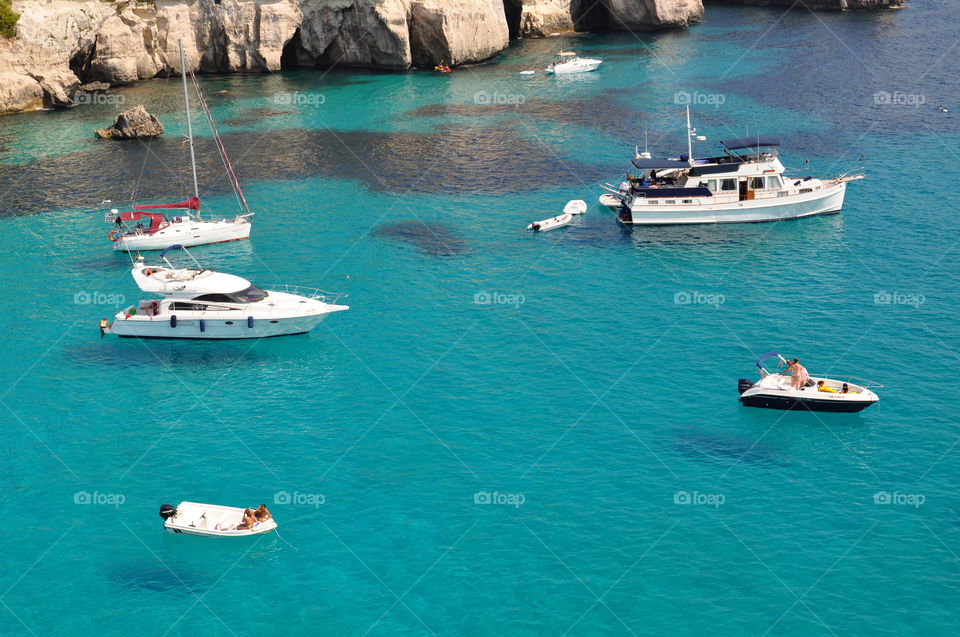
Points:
(133, 123)
(58, 43)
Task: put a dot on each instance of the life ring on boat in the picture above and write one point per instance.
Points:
(147, 272)
(114, 235)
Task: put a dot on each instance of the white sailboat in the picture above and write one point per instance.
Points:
(157, 226)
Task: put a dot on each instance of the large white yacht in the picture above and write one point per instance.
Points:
(200, 303)
(744, 184)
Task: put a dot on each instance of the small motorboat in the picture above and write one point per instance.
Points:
(774, 391)
(570, 62)
(575, 207)
(210, 520)
(550, 224)
(528, 72)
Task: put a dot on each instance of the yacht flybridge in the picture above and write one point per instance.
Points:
(156, 226)
(199, 303)
(746, 183)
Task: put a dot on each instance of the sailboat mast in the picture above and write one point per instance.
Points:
(186, 102)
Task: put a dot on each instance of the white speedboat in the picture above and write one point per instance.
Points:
(552, 223)
(774, 391)
(570, 62)
(199, 303)
(746, 183)
(156, 226)
(210, 520)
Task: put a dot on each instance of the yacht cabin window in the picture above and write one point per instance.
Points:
(756, 183)
(773, 181)
(728, 185)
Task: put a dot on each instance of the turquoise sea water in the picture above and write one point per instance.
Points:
(585, 398)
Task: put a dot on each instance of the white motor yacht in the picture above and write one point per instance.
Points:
(156, 226)
(570, 62)
(199, 303)
(746, 183)
(775, 391)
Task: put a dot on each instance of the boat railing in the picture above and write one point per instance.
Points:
(851, 380)
(310, 293)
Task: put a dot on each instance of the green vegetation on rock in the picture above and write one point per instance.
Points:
(8, 19)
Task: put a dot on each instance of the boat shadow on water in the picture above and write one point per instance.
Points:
(135, 353)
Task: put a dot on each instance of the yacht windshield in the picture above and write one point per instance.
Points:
(250, 295)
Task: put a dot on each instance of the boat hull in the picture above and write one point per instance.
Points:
(187, 233)
(770, 401)
(215, 328)
(826, 201)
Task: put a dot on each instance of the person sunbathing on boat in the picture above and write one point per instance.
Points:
(249, 519)
(799, 373)
(821, 386)
(262, 514)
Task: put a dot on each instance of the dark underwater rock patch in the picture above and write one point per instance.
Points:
(432, 239)
(454, 160)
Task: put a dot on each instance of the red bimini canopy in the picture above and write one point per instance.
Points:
(193, 203)
(156, 218)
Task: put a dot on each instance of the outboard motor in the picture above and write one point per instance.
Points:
(742, 385)
(167, 511)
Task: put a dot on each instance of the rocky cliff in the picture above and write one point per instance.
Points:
(60, 43)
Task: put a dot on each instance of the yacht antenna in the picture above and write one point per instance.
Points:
(689, 137)
(186, 103)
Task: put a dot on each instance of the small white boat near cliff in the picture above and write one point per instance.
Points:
(210, 520)
(570, 62)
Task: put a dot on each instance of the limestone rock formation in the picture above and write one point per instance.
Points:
(19, 93)
(539, 18)
(647, 14)
(355, 33)
(133, 123)
(458, 31)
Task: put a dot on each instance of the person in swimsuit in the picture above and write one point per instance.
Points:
(799, 375)
(821, 386)
(262, 513)
(249, 519)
